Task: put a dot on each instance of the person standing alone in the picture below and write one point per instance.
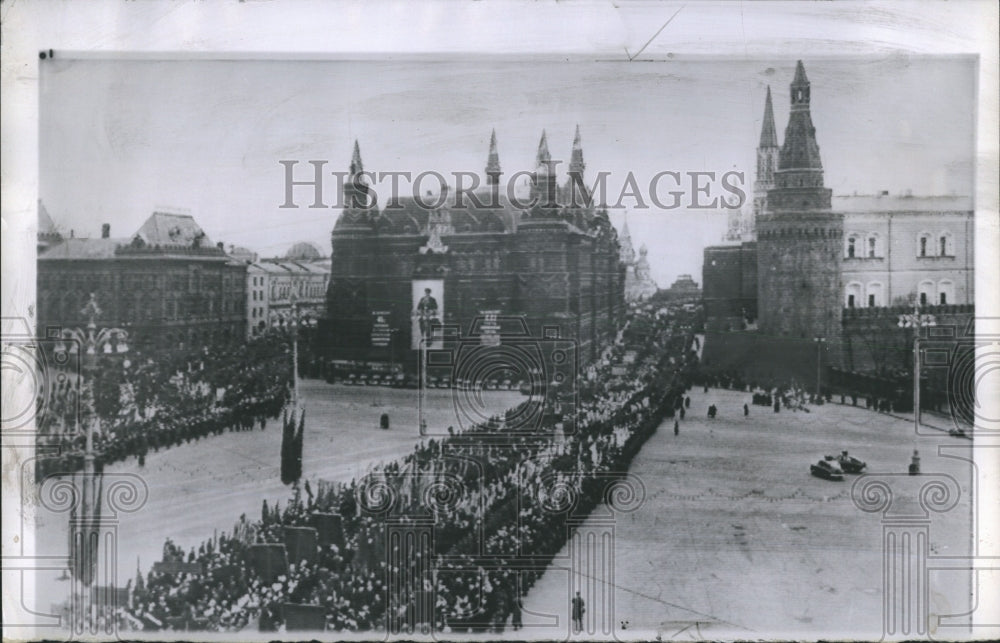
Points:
(578, 610)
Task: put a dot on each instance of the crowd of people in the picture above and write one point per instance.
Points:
(499, 497)
(147, 404)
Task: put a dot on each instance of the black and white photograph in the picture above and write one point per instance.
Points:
(500, 321)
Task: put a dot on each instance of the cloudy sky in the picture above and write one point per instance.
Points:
(120, 138)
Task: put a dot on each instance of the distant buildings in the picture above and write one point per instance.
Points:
(639, 284)
(273, 285)
(806, 256)
(167, 284)
(684, 287)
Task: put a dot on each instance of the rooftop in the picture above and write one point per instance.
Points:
(860, 203)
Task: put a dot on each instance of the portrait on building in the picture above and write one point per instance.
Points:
(428, 313)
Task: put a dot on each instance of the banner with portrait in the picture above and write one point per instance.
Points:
(427, 313)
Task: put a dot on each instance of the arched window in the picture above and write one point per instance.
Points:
(853, 241)
(875, 294)
(924, 244)
(946, 292)
(873, 246)
(926, 292)
(852, 294)
(946, 246)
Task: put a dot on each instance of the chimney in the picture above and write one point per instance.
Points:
(105, 230)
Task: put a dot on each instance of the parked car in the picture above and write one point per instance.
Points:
(827, 469)
(958, 432)
(848, 463)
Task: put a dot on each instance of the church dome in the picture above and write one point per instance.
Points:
(303, 251)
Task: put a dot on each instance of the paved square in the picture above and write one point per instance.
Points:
(737, 539)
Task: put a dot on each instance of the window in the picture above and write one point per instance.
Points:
(946, 292)
(852, 294)
(928, 292)
(850, 247)
(875, 294)
(923, 246)
(944, 246)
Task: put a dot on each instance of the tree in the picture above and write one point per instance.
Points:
(287, 449)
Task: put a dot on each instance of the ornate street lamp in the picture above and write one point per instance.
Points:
(291, 321)
(105, 341)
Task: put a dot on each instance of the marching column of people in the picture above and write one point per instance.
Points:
(161, 403)
(494, 491)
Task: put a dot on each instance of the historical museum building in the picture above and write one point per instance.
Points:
(802, 256)
(406, 275)
(167, 285)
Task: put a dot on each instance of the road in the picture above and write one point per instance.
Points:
(736, 539)
(204, 486)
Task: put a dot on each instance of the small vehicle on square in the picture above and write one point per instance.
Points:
(827, 469)
(848, 463)
(958, 432)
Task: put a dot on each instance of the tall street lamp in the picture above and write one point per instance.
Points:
(916, 321)
(105, 341)
(292, 321)
(819, 361)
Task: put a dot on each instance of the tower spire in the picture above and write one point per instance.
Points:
(543, 155)
(768, 135)
(493, 161)
(800, 165)
(576, 163)
(356, 166)
(359, 200)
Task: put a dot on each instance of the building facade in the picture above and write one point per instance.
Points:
(803, 257)
(167, 285)
(274, 285)
(403, 272)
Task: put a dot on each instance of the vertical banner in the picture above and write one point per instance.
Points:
(381, 333)
(490, 328)
(427, 312)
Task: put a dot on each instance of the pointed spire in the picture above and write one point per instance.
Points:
(356, 165)
(625, 232)
(768, 135)
(576, 163)
(543, 155)
(800, 151)
(493, 161)
(799, 164)
(800, 75)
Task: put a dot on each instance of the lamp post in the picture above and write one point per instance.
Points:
(819, 361)
(107, 341)
(292, 321)
(916, 321)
